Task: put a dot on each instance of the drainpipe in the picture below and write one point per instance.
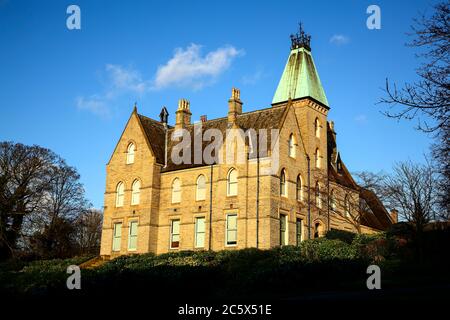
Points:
(165, 147)
(257, 197)
(309, 196)
(328, 202)
(210, 207)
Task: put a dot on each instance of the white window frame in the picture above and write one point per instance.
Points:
(136, 192)
(232, 192)
(172, 234)
(200, 192)
(130, 236)
(227, 230)
(131, 151)
(120, 194)
(176, 193)
(197, 232)
(117, 248)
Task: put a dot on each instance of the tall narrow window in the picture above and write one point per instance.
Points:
(120, 194)
(231, 230)
(135, 192)
(176, 190)
(175, 234)
(317, 127)
(299, 230)
(132, 236)
(283, 230)
(232, 182)
(292, 144)
(200, 232)
(317, 158)
(130, 153)
(318, 197)
(201, 188)
(299, 188)
(117, 236)
(347, 207)
(332, 200)
(283, 185)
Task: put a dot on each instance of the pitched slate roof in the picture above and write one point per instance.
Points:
(269, 118)
(300, 79)
(378, 218)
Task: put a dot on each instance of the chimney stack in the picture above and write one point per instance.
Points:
(183, 114)
(394, 215)
(234, 105)
(203, 118)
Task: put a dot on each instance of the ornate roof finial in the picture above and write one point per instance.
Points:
(164, 115)
(301, 39)
(135, 107)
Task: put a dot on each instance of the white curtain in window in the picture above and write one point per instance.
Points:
(130, 153)
(135, 192)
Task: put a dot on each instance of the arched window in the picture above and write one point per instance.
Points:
(317, 158)
(135, 192)
(292, 144)
(130, 153)
(120, 194)
(317, 127)
(347, 206)
(176, 190)
(299, 188)
(232, 182)
(200, 193)
(283, 185)
(332, 201)
(317, 196)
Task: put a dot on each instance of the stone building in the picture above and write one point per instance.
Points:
(153, 203)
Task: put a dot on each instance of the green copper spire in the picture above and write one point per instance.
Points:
(300, 78)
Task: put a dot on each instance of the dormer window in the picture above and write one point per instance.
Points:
(130, 153)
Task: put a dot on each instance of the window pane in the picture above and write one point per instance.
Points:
(200, 224)
(117, 236)
(200, 240)
(175, 226)
(232, 222)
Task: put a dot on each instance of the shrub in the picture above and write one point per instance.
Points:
(345, 236)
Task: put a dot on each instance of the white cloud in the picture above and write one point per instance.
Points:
(361, 118)
(251, 79)
(188, 68)
(120, 80)
(94, 104)
(339, 39)
(126, 79)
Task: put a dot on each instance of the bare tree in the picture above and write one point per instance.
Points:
(53, 223)
(428, 99)
(412, 190)
(24, 178)
(88, 231)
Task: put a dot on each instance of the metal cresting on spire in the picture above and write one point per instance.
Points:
(301, 39)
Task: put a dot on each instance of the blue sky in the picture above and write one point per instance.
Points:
(73, 90)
